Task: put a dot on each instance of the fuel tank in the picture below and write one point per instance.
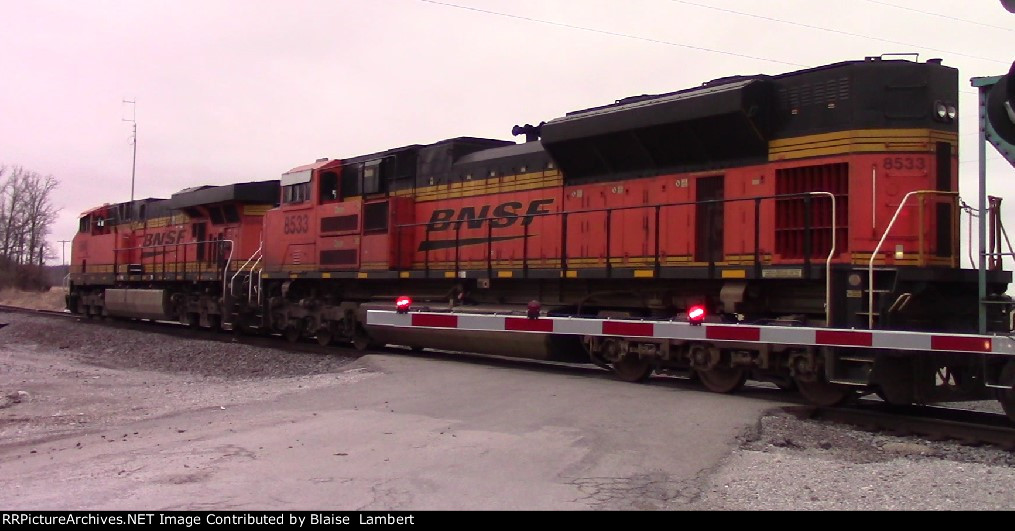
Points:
(138, 303)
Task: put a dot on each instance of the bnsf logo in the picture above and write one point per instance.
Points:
(504, 215)
(163, 238)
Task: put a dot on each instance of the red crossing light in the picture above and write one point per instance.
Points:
(533, 309)
(696, 315)
(402, 304)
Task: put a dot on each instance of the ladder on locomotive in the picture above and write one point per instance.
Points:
(879, 294)
(853, 367)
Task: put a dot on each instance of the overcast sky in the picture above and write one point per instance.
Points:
(241, 90)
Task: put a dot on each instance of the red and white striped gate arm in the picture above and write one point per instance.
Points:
(780, 335)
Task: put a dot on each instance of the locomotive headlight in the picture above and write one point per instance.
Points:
(941, 109)
(952, 112)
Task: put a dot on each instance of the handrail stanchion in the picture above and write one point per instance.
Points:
(757, 236)
(808, 236)
(828, 260)
(609, 265)
(525, 250)
(563, 243)
(658, 264)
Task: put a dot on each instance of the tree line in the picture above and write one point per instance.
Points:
(27, 215)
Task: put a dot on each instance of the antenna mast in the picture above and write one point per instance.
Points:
(133, 140)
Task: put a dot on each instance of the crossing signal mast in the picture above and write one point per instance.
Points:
(997, 126)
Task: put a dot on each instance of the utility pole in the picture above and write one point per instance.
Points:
(133, 140)
(63, 244)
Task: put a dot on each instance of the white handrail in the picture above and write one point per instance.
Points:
(250, 281)
(257, 254)
(225, 271)
(870, 264)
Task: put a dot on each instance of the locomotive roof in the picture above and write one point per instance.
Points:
(866, 61)
(630, 102)
(723, 81)
(113, 206)
(707, 101)
(319, 163)
(265, 192)
(501, 152)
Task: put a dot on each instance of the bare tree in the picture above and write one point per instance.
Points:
(40, 213)
(27, 215)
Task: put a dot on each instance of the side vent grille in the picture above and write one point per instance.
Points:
(791, 214)
(339, 257)
(340, 223)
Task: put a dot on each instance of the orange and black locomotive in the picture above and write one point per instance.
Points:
(825, 197)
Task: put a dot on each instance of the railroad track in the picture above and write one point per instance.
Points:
(965, 426)
(180, 330)
(933, 422)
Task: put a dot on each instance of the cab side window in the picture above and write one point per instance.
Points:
(296, 193)
(328, 187)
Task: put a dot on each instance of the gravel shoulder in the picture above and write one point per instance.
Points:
(59, 377)
(789, 464)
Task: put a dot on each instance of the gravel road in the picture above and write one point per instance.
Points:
(59, 378)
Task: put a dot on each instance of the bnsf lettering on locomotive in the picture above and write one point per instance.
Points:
(504, 215)
(163, 238)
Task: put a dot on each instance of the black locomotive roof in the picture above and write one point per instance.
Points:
(465, 144)
(721, 122)
(729, 121)
(502, 152)
(260, 192)
(706, 88)
(648, 111)
(381, 154)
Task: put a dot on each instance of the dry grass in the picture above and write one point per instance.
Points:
(46, 300)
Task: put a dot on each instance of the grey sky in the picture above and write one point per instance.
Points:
(240, 90)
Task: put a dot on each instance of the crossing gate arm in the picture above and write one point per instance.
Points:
(780, 335)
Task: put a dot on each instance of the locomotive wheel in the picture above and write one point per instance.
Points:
(631, 368)
(292, 334)
(788, 385)
(1007, 396)
(194, 321)
(324, 337)
(363, 342)
(722, 379)
(821, 393)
